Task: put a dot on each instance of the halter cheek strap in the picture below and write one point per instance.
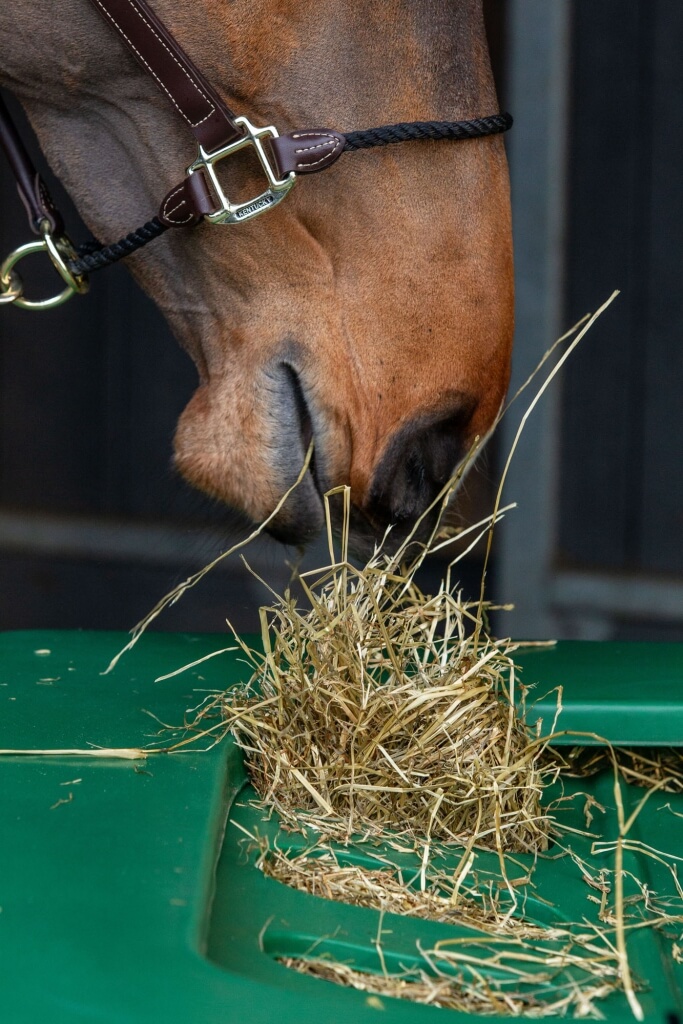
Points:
(30, 186)
(210, 120)
(218, 130)
(219, 133)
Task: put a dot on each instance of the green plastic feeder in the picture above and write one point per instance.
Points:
(127, 894)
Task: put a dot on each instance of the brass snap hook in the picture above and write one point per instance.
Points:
(11, 290)
(59, 250)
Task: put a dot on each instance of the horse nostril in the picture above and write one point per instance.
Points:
(417, 464)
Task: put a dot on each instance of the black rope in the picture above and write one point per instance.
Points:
(93, 256)
(410, 131)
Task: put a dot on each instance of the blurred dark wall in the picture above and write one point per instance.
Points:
(622, 422)
(621, 494)
(594, 549)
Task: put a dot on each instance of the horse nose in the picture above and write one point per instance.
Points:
(417, 464)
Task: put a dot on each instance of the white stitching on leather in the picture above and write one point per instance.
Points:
(193, 124)
(336, 143)
(168, 214)
(178, 220)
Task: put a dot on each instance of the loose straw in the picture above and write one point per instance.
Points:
(126, 753)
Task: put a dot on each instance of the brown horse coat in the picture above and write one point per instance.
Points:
(372, 309)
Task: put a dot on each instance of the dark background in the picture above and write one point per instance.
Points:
(94, 525)
(622, 414)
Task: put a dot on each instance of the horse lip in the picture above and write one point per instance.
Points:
(312, 430)
(302, 517)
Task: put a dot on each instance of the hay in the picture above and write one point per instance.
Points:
(378, 708)
(125, 753)
(317, 871)
(505, 965)
(470, 991)
(638, 766)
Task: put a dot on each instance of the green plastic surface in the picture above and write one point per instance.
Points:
(628, 693)
(127, 894)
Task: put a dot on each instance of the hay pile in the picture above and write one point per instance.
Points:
(380, 712)
(376, 710)
(379, 709)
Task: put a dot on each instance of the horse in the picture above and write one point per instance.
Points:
(370, 313)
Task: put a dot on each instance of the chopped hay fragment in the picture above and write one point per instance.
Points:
(469, 991)
(638, 766)
(126, 753)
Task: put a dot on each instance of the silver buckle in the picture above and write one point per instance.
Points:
(235, 213)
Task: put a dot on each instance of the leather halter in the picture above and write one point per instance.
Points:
(219, 133)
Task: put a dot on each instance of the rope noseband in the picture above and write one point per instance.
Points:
(219, 133)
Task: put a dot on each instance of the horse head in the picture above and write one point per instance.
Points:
(371, 311)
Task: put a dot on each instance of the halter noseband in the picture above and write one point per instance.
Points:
(219, 133)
